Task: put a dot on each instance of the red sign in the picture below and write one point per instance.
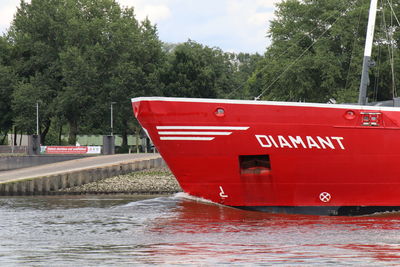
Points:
(70, 149)
(66, 149)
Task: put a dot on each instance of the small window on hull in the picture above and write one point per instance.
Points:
(254, 165)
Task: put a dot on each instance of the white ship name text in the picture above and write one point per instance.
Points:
(296, 142)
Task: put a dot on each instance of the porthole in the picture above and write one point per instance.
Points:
(219, 112)
(350, 115)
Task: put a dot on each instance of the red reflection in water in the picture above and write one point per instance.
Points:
(228, 234)
(199, 216)
(382, 252)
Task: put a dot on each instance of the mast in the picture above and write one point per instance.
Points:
(362, 98)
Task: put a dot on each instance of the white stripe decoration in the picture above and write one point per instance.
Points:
(182, 138)
(201, 128)
(194, 133)
(202, 133)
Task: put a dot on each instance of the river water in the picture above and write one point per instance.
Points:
(179, 230)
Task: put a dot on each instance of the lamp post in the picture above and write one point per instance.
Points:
(111, 119)
(37, 118)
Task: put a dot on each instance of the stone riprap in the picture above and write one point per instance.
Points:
(150, 181)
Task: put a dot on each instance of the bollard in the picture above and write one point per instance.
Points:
(34, 144)
(108, 144)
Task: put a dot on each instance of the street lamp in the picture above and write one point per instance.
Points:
(37, 118)
(111, 119)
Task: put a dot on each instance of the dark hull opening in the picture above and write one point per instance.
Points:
(324, 210)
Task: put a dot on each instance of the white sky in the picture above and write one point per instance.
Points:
(232, 25)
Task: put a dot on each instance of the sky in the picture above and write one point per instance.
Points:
(232, 25)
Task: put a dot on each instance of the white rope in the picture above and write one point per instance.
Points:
(391, 7)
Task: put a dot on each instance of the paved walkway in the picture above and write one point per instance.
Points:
(72, 165)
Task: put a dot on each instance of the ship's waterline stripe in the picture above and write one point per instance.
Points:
(182, 138)
(194, 133)
(228, 128)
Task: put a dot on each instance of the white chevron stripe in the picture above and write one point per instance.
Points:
(182, 138)
(194, 133)
(231, 128)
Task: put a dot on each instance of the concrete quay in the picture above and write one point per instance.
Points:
(13, 162)
(49, 178)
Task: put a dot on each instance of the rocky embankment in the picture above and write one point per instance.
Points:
(151, 181)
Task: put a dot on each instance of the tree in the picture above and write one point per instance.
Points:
(195, 70)
(7, 80)
(118, 60)
(243, 66)
(37, 37)
(136, 72)
(75, 58)
(316, 52)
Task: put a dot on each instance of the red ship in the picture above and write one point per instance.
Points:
(281, 157)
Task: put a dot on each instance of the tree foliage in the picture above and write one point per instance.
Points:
(75, 58)
(195, 70)
(7, 80)
(317, 50)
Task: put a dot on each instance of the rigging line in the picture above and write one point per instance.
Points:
(352, 50)
(298, 58)
(309, 34)
(377, 77)
(284, 52)
(392, 57)
(391, 7)
(390, 46)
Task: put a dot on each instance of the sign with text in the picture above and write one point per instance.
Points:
(70, 149)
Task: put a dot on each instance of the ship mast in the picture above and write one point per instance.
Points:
(362, 98)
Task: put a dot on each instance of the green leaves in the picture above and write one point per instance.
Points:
(316, 53)
(76, 57)
(195, 70)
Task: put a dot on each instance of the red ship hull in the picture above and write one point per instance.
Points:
(279, 157)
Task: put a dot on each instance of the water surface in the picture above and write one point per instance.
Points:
(178, 230)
